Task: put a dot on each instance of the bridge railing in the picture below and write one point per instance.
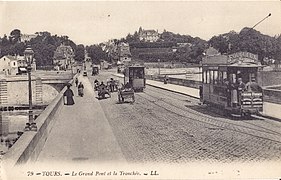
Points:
(30, 144)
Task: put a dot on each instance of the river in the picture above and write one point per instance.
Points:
(12, 125)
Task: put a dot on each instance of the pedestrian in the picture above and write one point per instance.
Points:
(253, 86)
(240, 85)
(68, 96)
(111, 84)
(76, 82)
(166, 79)
(80, 89)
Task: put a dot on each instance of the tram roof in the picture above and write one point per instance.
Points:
(240, 59)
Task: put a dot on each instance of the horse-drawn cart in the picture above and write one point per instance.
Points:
(126, 94)
(102, 91)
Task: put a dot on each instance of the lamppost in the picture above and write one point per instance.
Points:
(28, 55)
(158, 66)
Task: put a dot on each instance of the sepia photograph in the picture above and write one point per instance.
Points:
(140, 90)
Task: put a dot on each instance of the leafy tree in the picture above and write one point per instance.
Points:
(248, 40)
(80, 53)
(15, 36)
(96, 53)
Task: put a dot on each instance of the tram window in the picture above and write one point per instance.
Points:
(203, 76)
(233, 78)
(211, 77)
(139, 73)
(224, 75)
(220, 78)
(131, 73)
(208, 77)
(252, 77)
(215, 77)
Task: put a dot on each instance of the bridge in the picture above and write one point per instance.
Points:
(164, 125)
(45, 85)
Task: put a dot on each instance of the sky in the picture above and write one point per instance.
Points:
(91, 22)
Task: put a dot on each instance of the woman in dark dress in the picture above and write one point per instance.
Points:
(69, 96)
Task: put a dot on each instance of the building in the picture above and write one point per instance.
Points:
(27, 37)
(63, 57)
(8, 65)
(125, 56)
(13, 65)
(148, 35)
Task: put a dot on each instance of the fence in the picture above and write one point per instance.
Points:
(177, 81)
(272, 94)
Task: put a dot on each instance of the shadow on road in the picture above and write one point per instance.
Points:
(218, 113)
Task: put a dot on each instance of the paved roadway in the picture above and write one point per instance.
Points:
(163, 126)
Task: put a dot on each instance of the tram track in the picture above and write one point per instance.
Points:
(192, 114)
(243, 121)
(155, 129)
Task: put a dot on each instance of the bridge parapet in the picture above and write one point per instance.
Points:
(30, 144)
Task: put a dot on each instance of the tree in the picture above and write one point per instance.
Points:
(80, 53)
(96, 53)
(15, 36)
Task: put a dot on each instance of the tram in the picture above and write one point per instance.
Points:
(229, 82)
(135, 75)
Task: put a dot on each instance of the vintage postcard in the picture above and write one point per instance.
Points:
(140, 90)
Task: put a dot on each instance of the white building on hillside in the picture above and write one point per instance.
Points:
(148, 35)
(27, 37)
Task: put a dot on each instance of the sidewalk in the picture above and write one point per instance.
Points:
(170, 87)
(81, 132)
(175, 88)
(269, 109)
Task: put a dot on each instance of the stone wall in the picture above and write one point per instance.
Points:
(15, 92)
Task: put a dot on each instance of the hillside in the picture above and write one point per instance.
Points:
(169, 47)
(248, 40)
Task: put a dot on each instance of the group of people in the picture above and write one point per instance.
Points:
(101, 87)
(68, 94)
(111, 86)
(235, 89)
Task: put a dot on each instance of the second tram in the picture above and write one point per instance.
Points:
(135, 75)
